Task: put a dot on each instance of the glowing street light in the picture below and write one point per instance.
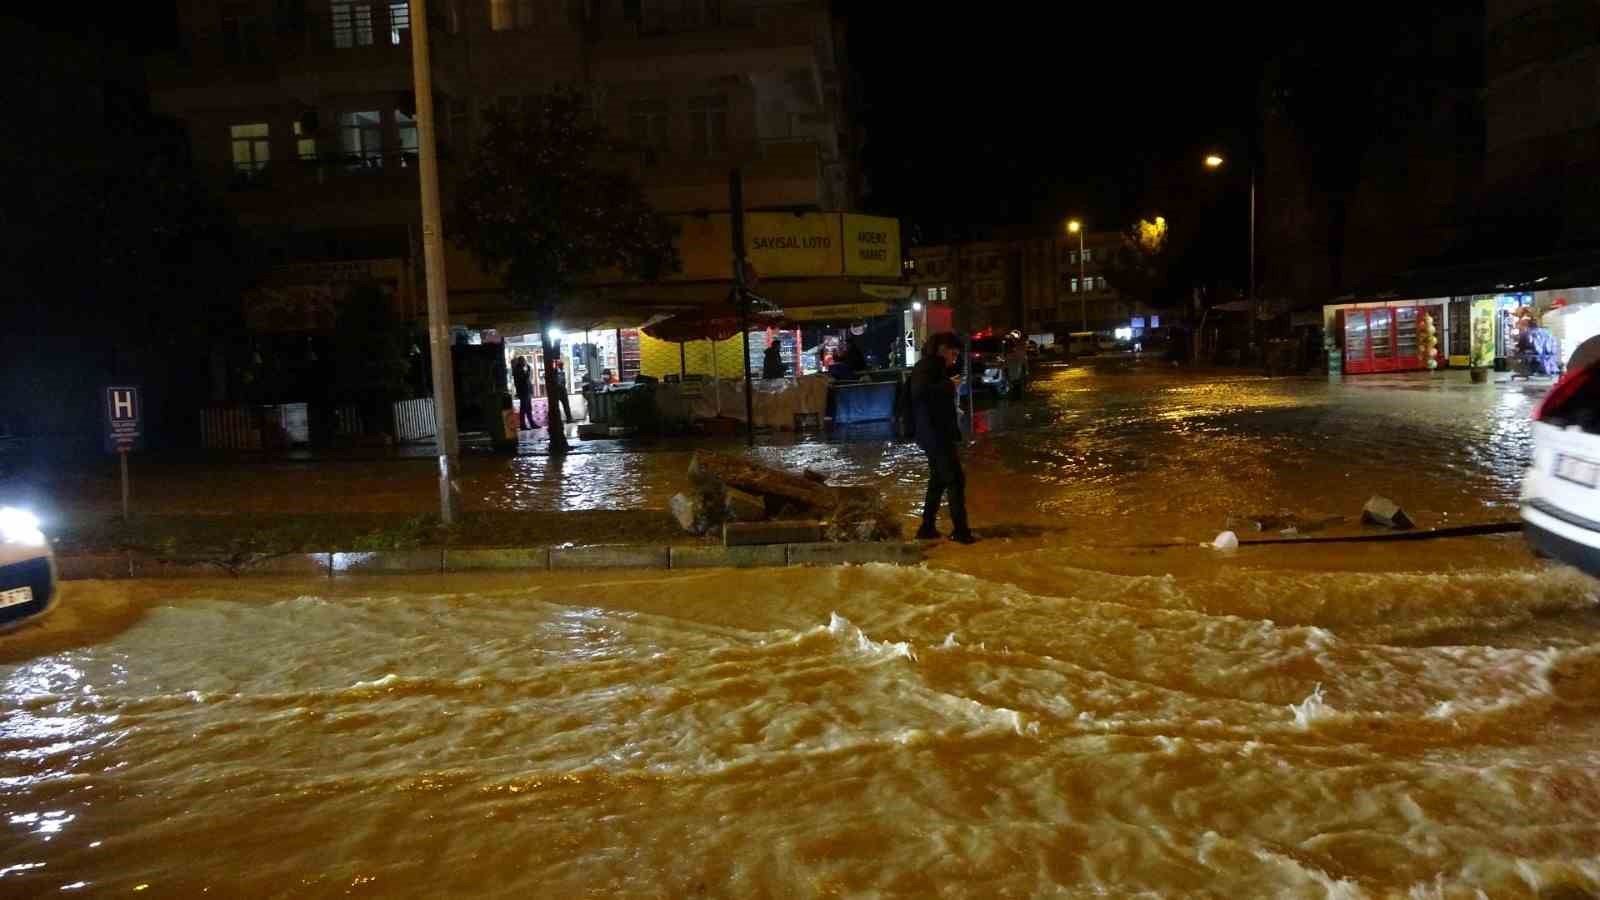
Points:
(1076, 227)
(916, 306)
(1213, 161)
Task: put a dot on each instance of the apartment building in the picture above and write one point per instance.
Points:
(302, 111)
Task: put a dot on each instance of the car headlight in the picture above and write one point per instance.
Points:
(18, 526)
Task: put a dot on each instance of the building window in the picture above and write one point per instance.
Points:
(708, 124)
(1072, 257)
(241, 37)
(305, 146)
(251, 148)
(505, 15)
(352, 24)
(406, 129)
(1074, 285)
(1088, 254)
(647, 124)
(399, 23)
(1101, 282)
(361, 138)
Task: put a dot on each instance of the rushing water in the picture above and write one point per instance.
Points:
(1054, 711)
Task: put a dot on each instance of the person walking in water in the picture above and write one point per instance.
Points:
(933, 417)
(522, 380)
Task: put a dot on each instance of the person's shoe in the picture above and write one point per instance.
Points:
(926, 533)
(964, 537)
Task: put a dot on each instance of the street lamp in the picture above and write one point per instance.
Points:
(1213, 161)
(1076, 227)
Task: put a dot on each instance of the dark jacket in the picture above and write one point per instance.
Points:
(933, 405)
(772, 362)
(522, 378)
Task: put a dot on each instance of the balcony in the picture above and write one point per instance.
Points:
(371, 189)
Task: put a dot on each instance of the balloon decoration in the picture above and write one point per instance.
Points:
(1428, 341)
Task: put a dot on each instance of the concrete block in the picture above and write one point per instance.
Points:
(611, 556)
(178, 567)
(94, 565)
(298, 564)
(389, 562)
(819, 554)
(507, 560)
(744, 507)
(791, 531)
(729, 557)
(1385, 512)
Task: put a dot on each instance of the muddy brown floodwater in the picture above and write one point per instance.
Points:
(1055, 711)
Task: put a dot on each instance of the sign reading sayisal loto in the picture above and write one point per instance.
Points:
(781, 244)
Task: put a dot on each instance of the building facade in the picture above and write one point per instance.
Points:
(1034, 285)
(302, 111)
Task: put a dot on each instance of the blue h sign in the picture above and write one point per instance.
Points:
(123, 419)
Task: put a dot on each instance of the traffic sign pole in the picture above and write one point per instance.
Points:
(124, 454)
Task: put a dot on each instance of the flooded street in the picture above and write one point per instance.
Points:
(1059, 710)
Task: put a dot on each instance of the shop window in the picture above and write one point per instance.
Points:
(1460, 336)
(352, 24)
(252, 147)
(708, 124)
(361, 138)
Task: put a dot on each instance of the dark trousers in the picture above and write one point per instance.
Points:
(945, 478)
(525, 411)
(566, 407)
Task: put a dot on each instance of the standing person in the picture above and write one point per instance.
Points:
(933, 417)
(522, 380)
(561, 390)
(772, 361)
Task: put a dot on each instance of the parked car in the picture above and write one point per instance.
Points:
(998, 363)
(1561, 493)
(27, 569)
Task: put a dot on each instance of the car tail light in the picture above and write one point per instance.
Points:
(1554, 403)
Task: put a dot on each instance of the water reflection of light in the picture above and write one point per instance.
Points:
(45, 823)
(20, 867)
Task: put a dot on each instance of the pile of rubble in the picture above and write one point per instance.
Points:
(751, 503)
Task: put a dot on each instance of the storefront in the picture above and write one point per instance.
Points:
(1391, 335)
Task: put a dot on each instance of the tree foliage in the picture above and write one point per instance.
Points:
(537, 205)
(1139, 267)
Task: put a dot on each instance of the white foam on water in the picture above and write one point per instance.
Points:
(840, 627)
(1311, 709)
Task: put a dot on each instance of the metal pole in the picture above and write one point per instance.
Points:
(736, 203)
(124, 455)
(683, 363)
(444, 387)
(1083, 298)
(966, 381)
(1250, 292)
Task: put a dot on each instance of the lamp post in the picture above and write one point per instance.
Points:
(1076, 227)
(1213, 161)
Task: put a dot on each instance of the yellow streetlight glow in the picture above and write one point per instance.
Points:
(1213, 161)
(1074, 226)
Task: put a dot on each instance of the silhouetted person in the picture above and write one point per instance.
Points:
(772, 362)
(561, 390)
(933, 417)
(522, 379)
(854, 356)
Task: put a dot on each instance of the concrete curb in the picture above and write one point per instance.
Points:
(729, 557)
(613, 556)
(436, 560)
(501, 560)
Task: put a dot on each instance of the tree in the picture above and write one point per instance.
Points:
(1138, 268)
(370, 359)
(537, 206)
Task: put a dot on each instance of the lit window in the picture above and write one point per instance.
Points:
(708, 124)
(1088, 254)
(1074, 285)
(251, 148)
(1155, 321)
(305, 146)
(361, 138)
(1072, 257)
(352, 24)
(1102, 283)
(399, 22)
(406, 128)
(504, 15)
